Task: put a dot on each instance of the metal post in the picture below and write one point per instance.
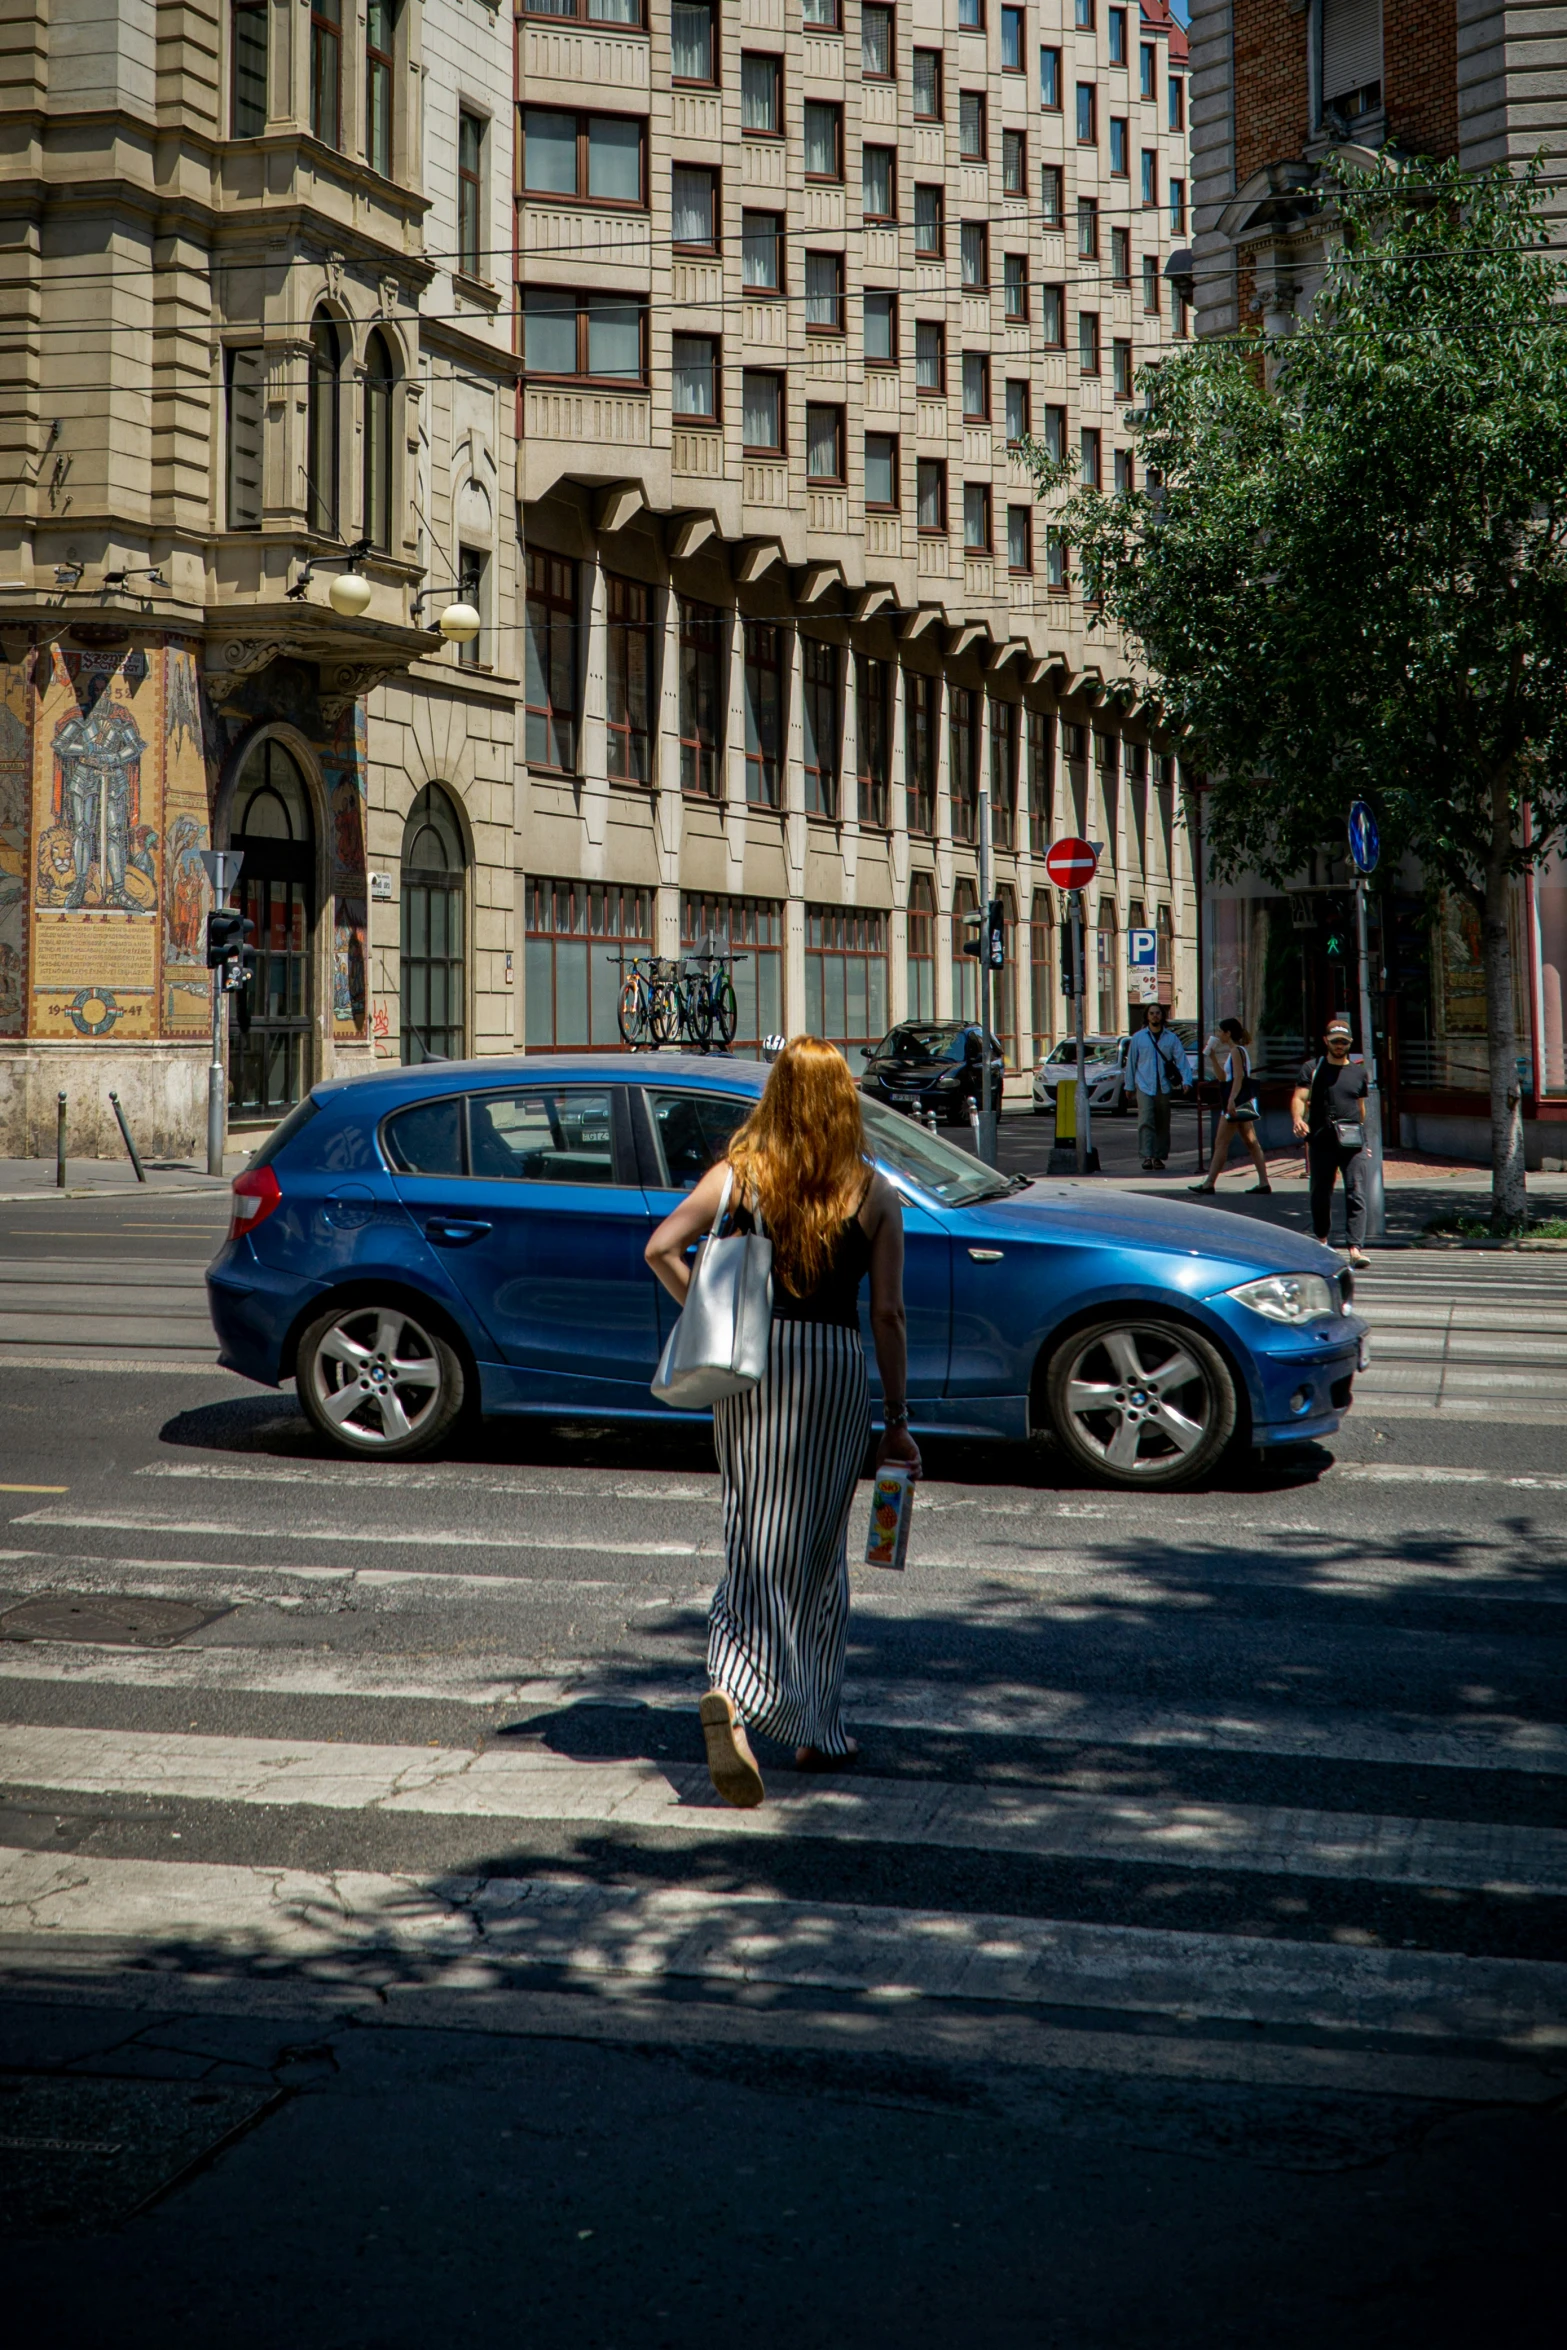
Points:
(128, 1138)
(985, 1141)
(1376, 1197)
(215, 1081)
(1079, 984)
(59, 1141)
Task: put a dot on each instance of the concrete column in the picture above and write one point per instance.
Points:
(593, 760)
(849, 758)
(734, 721)
(944, 860)
(668, 805)
(794, 833)
(898, 815)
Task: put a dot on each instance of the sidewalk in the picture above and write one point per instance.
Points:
(23, 1179)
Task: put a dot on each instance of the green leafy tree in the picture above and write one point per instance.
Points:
(1348, 573)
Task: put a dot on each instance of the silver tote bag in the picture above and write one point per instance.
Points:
(719, 1345)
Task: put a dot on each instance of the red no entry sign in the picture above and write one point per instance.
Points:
(1070, 863)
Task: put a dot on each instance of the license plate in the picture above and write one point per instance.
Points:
(1363, 1355)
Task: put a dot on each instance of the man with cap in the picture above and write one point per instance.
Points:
(1329, 1113)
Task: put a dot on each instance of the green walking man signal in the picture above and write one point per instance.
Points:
(990, 937)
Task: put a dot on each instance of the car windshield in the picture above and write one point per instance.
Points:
(925, 1044)
(935, 1167)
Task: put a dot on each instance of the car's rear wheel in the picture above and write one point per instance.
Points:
(1138, 1400)
(373, 1379)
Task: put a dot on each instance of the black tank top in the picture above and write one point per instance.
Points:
(836, 1296)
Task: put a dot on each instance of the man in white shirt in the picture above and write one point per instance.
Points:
(1156, 1070)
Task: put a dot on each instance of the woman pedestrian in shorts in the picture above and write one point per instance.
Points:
(1240, 1114)
(790, 1449)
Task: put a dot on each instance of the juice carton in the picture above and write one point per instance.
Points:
(892, 1506)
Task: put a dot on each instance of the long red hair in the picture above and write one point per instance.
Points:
(801, 1156)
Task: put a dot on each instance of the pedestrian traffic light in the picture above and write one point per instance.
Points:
(226, 930)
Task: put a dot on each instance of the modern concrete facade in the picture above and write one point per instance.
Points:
(792, 280)
(1275, 91)
(244, 345)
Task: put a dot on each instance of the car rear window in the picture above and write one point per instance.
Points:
(426, 1139)
(298, 1119)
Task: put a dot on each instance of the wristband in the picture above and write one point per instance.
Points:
(895, 1415)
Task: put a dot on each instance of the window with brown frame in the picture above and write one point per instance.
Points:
(761, 252)
(1052, 200)
(1019, 403)
(922, 715)
(846, 978)
(570, 158)
(1042, 966)
(1088, 342)
(1090, 457)
(693, 41)
(872, 709)
(1123, 473)
(1040, 748)
(763, 690)
(932, 497)
(881, 329)
(703, 629)
(824, 294)
(823, 140)
(971, 16)
(930, 355)
(588, 338)
(930, 235)
(1087, 229)
(1121, 256)
(549, 689)
(1005, 736)
(821, 725)
(1020, 540)
(976, 518)
(694, 212)
(881, 472)
(1121, 369)
(962, 765)
(628, 681)
(927, 85)
(921, 919)
(1013, 22)
(471, 256)
(823, 443)
(1014, 286)
(822, 16)
(976, 387)
(1120, 148)
(1014, 163)
(1055, 561)
(1150, 179)
(1151, 283)
(878, 51)
(1118, 36)
(1087, 115)
(761, 94)
(974, 256)
(326, 70)
(1050, 80)
(971, 126)
(380, 73)
(613, 15)
(578, 938)
(762, 413)
(248, 21)
(879, 183)
(696, 376)
(1177, 97)
(1055, 432)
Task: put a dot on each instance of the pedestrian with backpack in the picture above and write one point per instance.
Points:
(1328, 1112)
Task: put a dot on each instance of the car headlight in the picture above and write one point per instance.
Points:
(1287, 1297)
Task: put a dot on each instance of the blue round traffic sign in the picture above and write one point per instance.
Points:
(1365, 842)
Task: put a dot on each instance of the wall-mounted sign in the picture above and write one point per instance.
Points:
(381, 888)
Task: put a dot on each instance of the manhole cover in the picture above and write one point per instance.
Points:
(122, 1623)
(79, 2154)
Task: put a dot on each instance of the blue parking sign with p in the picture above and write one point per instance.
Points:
(1143, 949)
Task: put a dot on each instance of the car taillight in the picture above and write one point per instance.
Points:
(256, 1194)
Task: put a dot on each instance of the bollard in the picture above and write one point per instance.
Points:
(59, 1143)
(130, 1142)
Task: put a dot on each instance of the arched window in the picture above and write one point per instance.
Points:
(379, 382)
(434, 988)
(270, 1067)
(322, 454)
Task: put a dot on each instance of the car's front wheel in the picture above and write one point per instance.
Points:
(1138, 1400)
(373, 1379)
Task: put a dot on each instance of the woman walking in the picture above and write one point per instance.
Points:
(790, 1449)
(1240, 1114)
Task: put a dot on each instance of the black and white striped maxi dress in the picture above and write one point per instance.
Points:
(789, 1454)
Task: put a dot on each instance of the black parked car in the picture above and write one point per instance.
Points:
(931, 1065)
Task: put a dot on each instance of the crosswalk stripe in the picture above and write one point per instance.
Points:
(595, 1931)
(462, 1782)
(379, 1537)
(1059, 1717)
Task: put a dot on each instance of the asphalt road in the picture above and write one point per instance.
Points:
(1184, 1964)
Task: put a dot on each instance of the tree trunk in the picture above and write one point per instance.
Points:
(1509, 1194)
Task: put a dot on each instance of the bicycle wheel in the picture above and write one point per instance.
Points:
(663, 1012)
(631, 1012)
(697, 1026)
(724, 1011)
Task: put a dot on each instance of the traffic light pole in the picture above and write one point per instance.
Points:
(1079, 990)
(215, 1081)
(1376, 1196)
(989, 1111)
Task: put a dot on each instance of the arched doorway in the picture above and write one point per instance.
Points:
(271, 1068)
(434, 978)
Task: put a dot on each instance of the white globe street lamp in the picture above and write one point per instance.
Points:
(349, 595)
(459, 624)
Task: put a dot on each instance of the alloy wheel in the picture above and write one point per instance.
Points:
(377, 1379)
(1143, 1402)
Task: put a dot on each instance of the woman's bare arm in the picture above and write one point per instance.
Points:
(696, 1214)
(882, 1217)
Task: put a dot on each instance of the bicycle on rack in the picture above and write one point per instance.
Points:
(688, 1000)
(709, 1001)
(648, 1010)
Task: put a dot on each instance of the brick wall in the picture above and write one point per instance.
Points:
(1270, 85)
(1420, 74)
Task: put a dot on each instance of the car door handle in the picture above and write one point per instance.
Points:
(987, 1256)
(454, 1231)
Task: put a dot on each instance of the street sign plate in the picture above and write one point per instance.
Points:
(1071, 863)
(223, 867)
(1142, 950)
(1365, 842)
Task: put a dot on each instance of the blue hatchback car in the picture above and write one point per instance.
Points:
(470, 1235)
